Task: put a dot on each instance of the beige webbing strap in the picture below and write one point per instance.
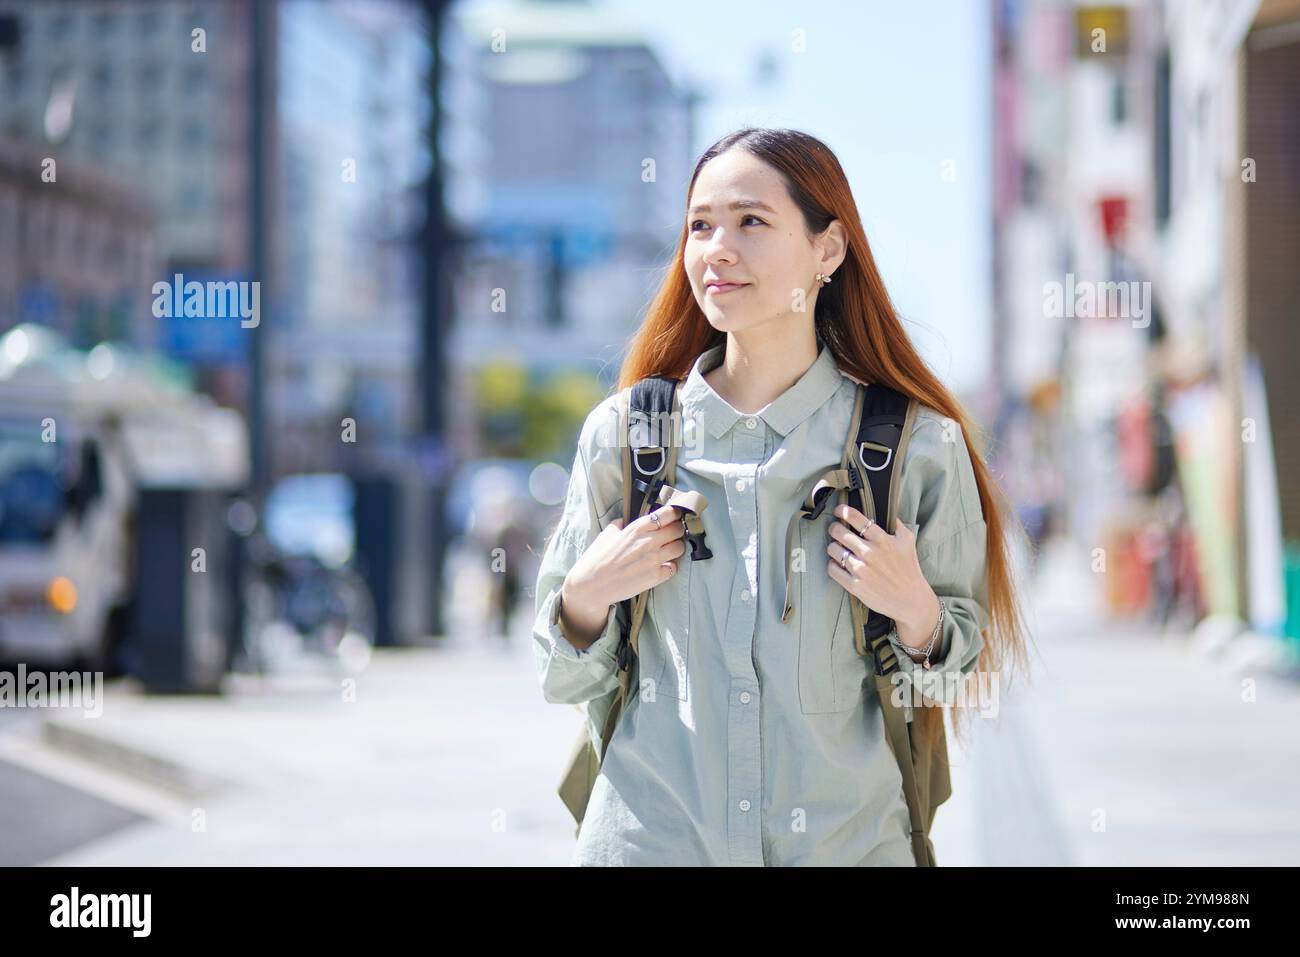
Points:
(838, 479)
(900, 456)
(611, 718)
(897, 732)
(692, 504)
(623, 398)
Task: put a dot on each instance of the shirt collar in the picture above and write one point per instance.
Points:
(814, 388)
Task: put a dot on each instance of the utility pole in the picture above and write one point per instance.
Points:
(436, 306)
(261, 119)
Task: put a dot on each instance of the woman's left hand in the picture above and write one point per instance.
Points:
(883, 572)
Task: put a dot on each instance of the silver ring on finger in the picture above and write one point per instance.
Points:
(863, 533)
(654, 517)
(844, 559)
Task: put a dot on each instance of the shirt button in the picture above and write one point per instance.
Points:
(744, 595)
(740, 485)
(744, 697)
(751, 422)
(744, 805)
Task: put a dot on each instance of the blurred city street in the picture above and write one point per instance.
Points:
(450, 756)
(305, 305)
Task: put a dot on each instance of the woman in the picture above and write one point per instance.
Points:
(751, 737)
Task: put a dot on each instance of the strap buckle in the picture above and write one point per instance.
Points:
(881, 668)
(855, 478)
(699, 550)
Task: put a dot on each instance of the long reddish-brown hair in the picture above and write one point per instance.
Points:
(856, 318)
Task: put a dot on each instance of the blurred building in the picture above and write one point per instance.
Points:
(1136, 296)
(566, 147)
(1031, 247)
(77, 253)
(1268, 129)
(161, 93)
(353, 117)
(118, 81)
(581, 155)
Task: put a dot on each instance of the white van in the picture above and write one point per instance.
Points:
(80, 434)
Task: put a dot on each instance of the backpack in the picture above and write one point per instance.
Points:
(882, 419)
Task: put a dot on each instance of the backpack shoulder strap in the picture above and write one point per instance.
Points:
(876, 440)
(876, 447)
(649, 424)
(649, 460)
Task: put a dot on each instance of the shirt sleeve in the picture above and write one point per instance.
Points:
(567, 674)
(950, 542)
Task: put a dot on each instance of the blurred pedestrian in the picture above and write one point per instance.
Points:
(509, 553)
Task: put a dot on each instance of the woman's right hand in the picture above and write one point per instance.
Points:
(620, 563)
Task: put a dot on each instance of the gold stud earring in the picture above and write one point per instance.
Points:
(823, 279)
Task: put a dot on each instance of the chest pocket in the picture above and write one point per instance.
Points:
(831, 672)
(666, 634)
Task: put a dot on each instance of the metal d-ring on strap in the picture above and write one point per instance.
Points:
(660, 450)
(875, 447)
(636, 460)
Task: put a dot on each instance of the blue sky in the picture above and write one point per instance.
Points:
(896, 89)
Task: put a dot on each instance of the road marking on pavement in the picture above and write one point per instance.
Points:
(28, 751)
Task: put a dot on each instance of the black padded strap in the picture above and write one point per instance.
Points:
(650, 408)
(879, 434)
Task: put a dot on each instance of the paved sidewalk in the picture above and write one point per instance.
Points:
(445, 756)
(1126, 748)
(1132, 748)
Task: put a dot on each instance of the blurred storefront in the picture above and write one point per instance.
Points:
(1146, 226)
(1269, 263)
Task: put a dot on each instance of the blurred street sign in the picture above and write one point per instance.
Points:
(38, 302)
(574, 247)
(205, 339)
(1114, 217)
(1100, 30)
(586, 247)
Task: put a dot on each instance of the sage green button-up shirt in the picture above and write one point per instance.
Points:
(746, 740)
